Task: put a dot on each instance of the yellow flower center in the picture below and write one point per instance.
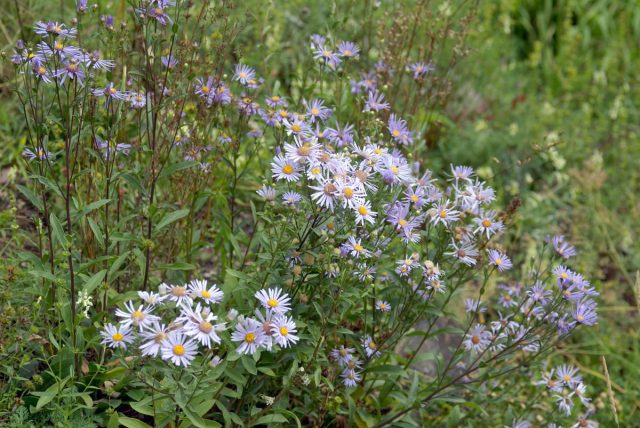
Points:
(363, 210)
(117, 337)
(580, 317)
(394, 169)
(284, 331)
(242, 75)
(272, 302)
(443, 214)
(564, 275)
(205, 294)
(396, 133)
(160, 337)
(178, 350)
(72, 67)
(475, 340)
(58, 46)
(486, 222)
(372, 345)
(315, 111)
(41, 70)
(178, 291)
(296, 128)
(414, 198)
(315, 170)
(205, 89)
(275, 98)
(283, 113)
(383, 306)
(287, 169)
(249, 337)
(343, 352)
(137, 315)
(566, 378)
(205, 327)
(498, 262)
(378, 151)
(112, 90)
(359, 248)
(347, 192)
(346, 52)
(304, 150)
(402, 222)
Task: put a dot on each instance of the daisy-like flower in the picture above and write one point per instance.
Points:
(267, 193)
(283, 331)
(158, 11)
(179, 349)
(298, 127)
(59, 49)
(355, 248)
(383, 306)
(562, 247)
(138, 99)
(348, 50)
(327, 56)
(487, 224)
(474, 305)
(179, 294)
(154, 337)
(275, 101)
(291, 199)
(568, 375)
(370, 347)
(110, 93)
(151, 298)
(477, 339)
(350, 192)
(444, 214)
(140, 317)
(107, 148)
(38, 153)
(285, 169)
(585, 313)
(465, 252)
(462, 172)
(243, 74)
(169, 61)
(94, 60)
(499, 260)
(539, 293)
(364, 213)
(199, 289)
(71, 70)
(398, 130)
(116, 336)
(274, 300)
(54, 28)
(325, 194)
(250, 334)
(199, 324)
(316, 110)
(376, 102)
(302, 150)
(419, 69)
(350, 378)
(342, 355)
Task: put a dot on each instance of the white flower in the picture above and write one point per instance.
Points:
(179, 294)
(151, 298)
(199, 324)
(155, 337)
(116, 336)
(285, 169)
(140, 317)
(302, 151)
(250, 334)
(282, 330)
(274, 299)
(370, 347)
(364, 213)
(383, 306)
(179, 349)
(200, 290)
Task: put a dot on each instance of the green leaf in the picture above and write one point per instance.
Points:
(131, 423)
(30, 196)
(171, 217)
(177, 266)
(94, 206)
(199, 421)
(271, 419)
(94, 281)
(173, 168)
(50, 393)
(249, 365)
(57, 230)
(96, 231)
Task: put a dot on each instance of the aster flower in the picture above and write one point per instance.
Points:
(443, 213)
(275, 101)
(285, 169)
(487, 224)
(38, 153)
(539, 293)
(250, 334)
(151, 298)
(350, 192)
(325, 194)
(419, 69)
(199, 289)
(71, 70)
(247, 106)
(370, 347)
(140, 317)
(302, 150)
(95, 61)
(585, 313)
(340, 136)
(274, 300)
(283, 330)
(138, 100)
(398, 130)
(169, 61)
(376, 102)
(298, 128)
(291, 199)
(364, 213)
(327, 56)
(350, 378)
(109, 92)
(465, 252)
(562, 247)
(179, 294)
(59, 49)
(107, 21)
(116, 336)
(477, 339)
(474, 305)
(462, 172)
(158, 10)
(383, 306)
(199, 324)
(342, 355)
(54, 28)
(355, 248)
(568, 375)
(154, 338)
(348, 50)
(499, 260)
(108, 149)
(316, 110)
(267, 193)
(243, 73)
(179, 349)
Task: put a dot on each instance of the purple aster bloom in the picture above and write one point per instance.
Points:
(270, 117)
(16, 59)
(462, 172)
(255, 83)
(348, 50)
(420, 69)
(267, 193)
(54, 28)
(375, 102)
(465, 252)
(169, 61)
(562, 247)
(254, 133)
(81, 6)
(487, 224)
(138, 99)
(40, 71)
(39, 154)
(563, 275)
(243, 74)
(539, 293)
(316, 110)
(585, 312)
(383, 68)
(499, 260)
(507, 300)
(106, 148)
(110, 92)
(291, 198)
(93, 60)
(477, 339)
(474, 305)
(107, 20)
(398, 130)
(247, 106)
(327, 56)
(71, 70)
(317, 40)
(158, 11)
(276, 101)
(59, 49)
(340, 136)
(220, 94)
(415, 197)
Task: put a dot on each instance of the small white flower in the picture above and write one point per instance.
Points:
(180, 350)
(140, 317)
(283, 330)
(154, 337)
(200, 290)
(250, 334)
(116, 336)
(275, 300)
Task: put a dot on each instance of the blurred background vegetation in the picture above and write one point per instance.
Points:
(544, 104)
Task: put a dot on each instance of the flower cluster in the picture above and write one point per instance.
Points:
(180, 319)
